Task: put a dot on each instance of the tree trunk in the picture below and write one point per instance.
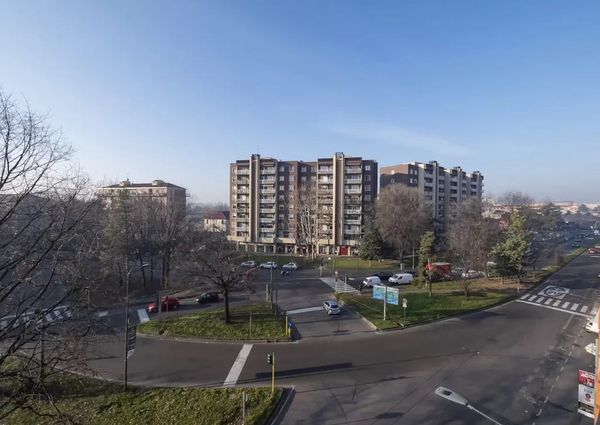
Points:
(152, 270)
(226, 297)
(466, 289)
(143, 272)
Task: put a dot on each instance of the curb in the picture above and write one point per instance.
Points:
(216, 340)
(275, 416)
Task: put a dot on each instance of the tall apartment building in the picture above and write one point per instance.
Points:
(170, 195)
(266, 195)
(444, 188)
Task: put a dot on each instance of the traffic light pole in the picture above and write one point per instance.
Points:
(273, 375)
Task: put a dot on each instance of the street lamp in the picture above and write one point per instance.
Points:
(143, 266)
(450, 395)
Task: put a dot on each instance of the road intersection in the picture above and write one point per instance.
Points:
(517, 362)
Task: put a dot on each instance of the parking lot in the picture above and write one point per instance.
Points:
(301, 294)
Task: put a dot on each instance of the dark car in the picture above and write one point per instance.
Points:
(384, 275)
(207, 297)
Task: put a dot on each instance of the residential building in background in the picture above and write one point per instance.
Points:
(170, 195)
(268, 197)
(217, 221)
(444, 188)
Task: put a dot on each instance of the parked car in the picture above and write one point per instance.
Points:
(593, 251)
(207, 297)
(290, 266)
(167, 303)
(268, 265)
(470, 274)
(384, 275)
(249, 263)
(331, 307)
(401, 279)
(371, 280)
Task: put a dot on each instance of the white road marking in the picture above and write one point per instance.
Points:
(567, 322)
(102, 313)
(565, 305)
(594, 311)
(525, 296)
(574, 307)
(540, 299)
(50, 317)
(143, 315)
(557, 303)
(238, 365)
(304, 310)
(548, 301)
(552, 308)
(584, 308)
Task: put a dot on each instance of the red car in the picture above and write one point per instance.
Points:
(167, 303)
(593, 251)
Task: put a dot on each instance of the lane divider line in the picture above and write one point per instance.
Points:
(238, 365)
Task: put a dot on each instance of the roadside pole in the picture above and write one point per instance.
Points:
(385, 304)
(404, 305)
(271, 361)
(250, 325)
(597, 392)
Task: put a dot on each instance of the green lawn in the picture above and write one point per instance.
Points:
(356, 264)
(421, 308)
(210, 324)
(281, 259)
(91, 401)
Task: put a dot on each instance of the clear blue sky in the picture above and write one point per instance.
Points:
(177, 90)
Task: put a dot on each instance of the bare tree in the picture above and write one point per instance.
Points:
(307, 219)
(471, 238)
(44, 251)
(516, 199)
(212, 259)
(401, 216)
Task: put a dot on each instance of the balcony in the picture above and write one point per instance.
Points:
(353, 170)
(242, 171)
(242, 200)
(267, 239)
(352, 211)
(352, 190)
(241, 190)
(267, 191)
(242, 229)
(356, 231)
(267, 210)
(243, 181)
(267, 170)
(352, 221)
(267, 180)
(325, 170)
(269, 220)
(267, 200)
(242, 219)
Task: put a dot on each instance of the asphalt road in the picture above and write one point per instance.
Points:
(517, 363)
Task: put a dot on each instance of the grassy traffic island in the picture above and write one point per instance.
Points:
(83, 400)
(247, 323)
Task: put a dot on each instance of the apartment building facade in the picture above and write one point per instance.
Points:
(216, 222)
(445, 189)
(170, 195)
(271, 199)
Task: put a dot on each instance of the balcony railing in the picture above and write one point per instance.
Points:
(267, 200)
(352, 191)
(267, 210)
(352, 211)
(352, 221)
(268, 170)
(353, 170)
(352, 231)
(353, 181)
(242, 171)
(267, 191)
(267, 220)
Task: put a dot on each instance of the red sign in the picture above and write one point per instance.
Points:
(586, 378)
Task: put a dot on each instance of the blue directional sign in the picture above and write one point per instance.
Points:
(391, 294)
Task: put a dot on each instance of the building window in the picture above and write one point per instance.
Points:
(367, 167)
(303, 178)
(281, 188)
(367, 197)
(281, 197)
(281, 178)
(368, 178)
(304, 169)
(291, 188)
(281, 168)
(367, 188)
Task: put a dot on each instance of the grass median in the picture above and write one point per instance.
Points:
(84, 400)
(248, 322)
(421, 308)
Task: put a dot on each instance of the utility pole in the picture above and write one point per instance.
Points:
(127, 318)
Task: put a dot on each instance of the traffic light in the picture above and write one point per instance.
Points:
(269, 358)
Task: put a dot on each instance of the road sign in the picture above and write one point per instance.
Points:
(404, 303)
(390, 294)
(131, 335)
(557, 292)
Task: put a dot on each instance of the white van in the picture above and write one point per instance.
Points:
(592, 324)
(371, 280)
(401, 279)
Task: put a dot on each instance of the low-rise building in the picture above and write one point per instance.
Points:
(216, 221)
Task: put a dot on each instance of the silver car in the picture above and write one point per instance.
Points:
(331, 307)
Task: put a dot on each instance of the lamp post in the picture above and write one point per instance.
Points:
(127, 274)
(450, 395)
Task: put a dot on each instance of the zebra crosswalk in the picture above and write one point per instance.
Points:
(339, 286)
(570, 307)
(61, 312)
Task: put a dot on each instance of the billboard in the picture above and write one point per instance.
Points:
(586, 393)
(390, 294)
